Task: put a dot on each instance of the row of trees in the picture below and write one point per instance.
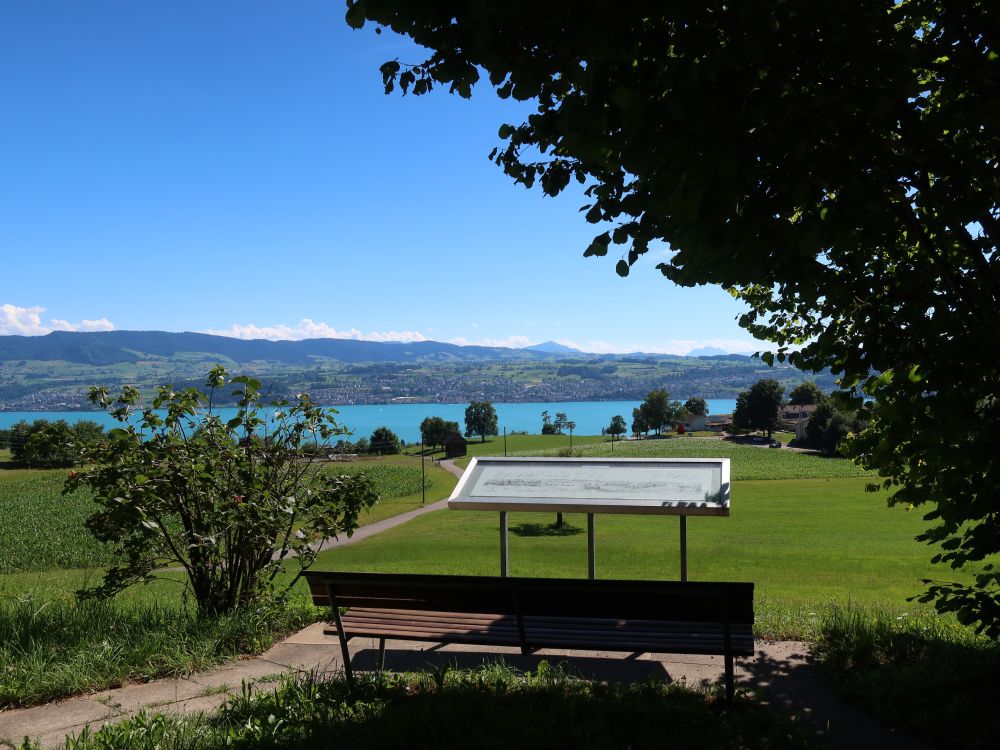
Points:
(44, 444)
(833, 419)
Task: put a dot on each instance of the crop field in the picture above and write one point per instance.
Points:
(390, 481)
(40, 528)
(748, 462)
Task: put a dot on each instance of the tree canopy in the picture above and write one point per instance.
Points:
(834, 165)
(658, 411)
(480, 419)
(759, 407)
(696, 406)
(806, 393)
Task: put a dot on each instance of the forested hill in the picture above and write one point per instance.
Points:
(114, 347)
(54, 372)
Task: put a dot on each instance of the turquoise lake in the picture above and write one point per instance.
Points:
(405, 419)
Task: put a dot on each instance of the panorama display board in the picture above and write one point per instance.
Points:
(654, 486)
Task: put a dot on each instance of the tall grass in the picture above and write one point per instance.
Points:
(921, 673)
(490, 707)
(50, 649)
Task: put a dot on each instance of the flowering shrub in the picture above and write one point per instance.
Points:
(228, 501)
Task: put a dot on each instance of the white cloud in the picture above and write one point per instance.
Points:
(511, 342)
(27, 321)
(310, 329)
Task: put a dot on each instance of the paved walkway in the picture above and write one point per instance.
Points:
(783, 673)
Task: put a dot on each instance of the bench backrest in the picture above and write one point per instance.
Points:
(645, 600)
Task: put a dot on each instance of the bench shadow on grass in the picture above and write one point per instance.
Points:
(792, 684)
(545, 529)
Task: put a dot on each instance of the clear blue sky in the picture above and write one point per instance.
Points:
(236, 167)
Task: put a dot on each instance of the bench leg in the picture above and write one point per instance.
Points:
(343, 646)
(381, 655)
(730, 680)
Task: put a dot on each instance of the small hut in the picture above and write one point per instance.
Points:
(455, 446)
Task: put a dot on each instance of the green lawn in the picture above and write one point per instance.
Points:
(803, 542)
(398, 479)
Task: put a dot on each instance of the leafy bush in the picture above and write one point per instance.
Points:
(226, 501)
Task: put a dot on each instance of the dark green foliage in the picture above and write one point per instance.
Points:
(696, 406)
(480, 419)
(806, 393)
(490, 707)
(834, 167)
(383, 442)
(922, 675)
(759, 407)
(829, 425)
(434, 430)
(46, 445)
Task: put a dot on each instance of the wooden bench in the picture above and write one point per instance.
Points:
(533, 613)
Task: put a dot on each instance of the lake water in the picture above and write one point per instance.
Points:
(405, 419)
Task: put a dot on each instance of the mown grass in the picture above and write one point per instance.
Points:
(490, 707)
(804, 543)
(921, 674)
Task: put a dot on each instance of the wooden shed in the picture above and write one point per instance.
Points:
(455, 446)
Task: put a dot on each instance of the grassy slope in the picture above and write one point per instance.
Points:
(802, 541)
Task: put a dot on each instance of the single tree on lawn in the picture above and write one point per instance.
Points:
(617, 428)
(228, 501)
(836, 171)
(384, 442)
(759, 407)
(480, 419)
(639, 426)
(659, 412)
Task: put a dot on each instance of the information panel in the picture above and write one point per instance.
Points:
(654, 486)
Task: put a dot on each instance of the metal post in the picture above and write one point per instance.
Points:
(423, 480)
(505, 442)
(504, 571)
(684, 548)
(591, 548)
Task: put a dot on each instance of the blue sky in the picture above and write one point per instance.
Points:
(235, 167)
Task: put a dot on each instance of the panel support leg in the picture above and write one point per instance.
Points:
(591, 548)
(504, 570)
(381, 655)
(684, 548)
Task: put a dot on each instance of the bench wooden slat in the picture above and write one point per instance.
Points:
(605, 615)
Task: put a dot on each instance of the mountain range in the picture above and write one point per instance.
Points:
(118, 347)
